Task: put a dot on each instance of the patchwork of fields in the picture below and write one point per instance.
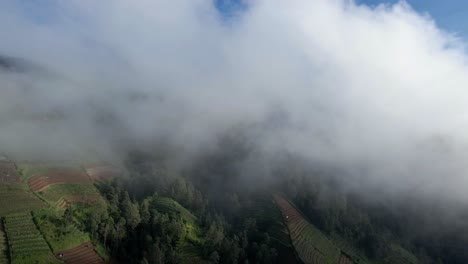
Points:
(41, 181)
(101, 171)
(8, 173)
(33, 197)
(27, 245)
(314, 247)
(62, 195)
(16, 199)
(83, 253)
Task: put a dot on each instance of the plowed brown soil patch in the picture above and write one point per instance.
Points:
(101, 172)
(345, 260)
(8, 173)
(82, 254)
(72, 199)
(290, 213)
(42, 181)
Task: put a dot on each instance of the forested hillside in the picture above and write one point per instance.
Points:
(156, 215)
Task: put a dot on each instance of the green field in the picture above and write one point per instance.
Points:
(26, 243)
(3, 246)
(351, 251)
(401, 255)
(60, 235)
(16, 199)
(168, 205)
(171, 207)
(27, 170)
(54, 193)
(310, 242)
(311, 245)
(191, 238)
(269, 218)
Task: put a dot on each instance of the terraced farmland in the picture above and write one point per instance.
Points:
(167, 205)
(83, 253)
(350, 251)
(68, 200)
(30, 169)
(8, 173)
(15, 199)
(311, 245)
(269, 217)
(39, 182)
(61, 195)
(26, 242)
(345, 260)
(3, 246)
(401, 255)
(101, 171)
(60, 235)
(190, 239)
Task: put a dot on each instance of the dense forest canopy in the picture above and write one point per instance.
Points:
(232, 228)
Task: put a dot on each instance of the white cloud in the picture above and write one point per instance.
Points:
(382, 89)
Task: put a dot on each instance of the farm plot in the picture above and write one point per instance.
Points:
(101, 172)
(401, 255)
(345, 260)
(14, 199)
(168, 205)
(41, 181)
(3, 246)
(83, 253)
(348, 250)
(270, 219)
(8, 173)
(28, 169)
(62, 195)
(26, 242)
(67, 200)
(311, 245)
(60, 234)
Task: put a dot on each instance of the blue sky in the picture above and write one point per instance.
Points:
(451, 15)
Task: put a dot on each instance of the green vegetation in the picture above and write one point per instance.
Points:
(3, 246)
(355, 254)
(54, 193)
(191, 231)
(168, 205)
(101, 251)
(171, 218)
(270, 219)
(15, 199)
(26, 243)
(27, 170)
(310, 243)
(401, 255)
(59, 229)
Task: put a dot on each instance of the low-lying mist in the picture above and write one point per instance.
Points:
(378, 94)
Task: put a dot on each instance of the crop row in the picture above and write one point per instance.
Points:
(24, 238)
(311, 244)
(55, 193)
(167, 205)
(13, 200)
(41, 181)
(3, 246)
(345, 260)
